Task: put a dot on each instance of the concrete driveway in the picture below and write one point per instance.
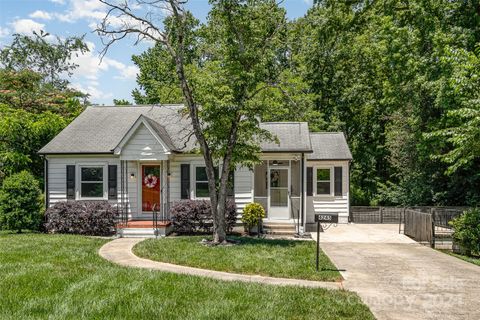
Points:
(400, 279)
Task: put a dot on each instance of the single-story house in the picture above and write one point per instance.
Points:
(140, 156)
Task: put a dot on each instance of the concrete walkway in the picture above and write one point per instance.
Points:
(400, 279)
(120, 252)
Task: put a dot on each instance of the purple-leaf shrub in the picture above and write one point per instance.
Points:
(195, 216)
(95, 218)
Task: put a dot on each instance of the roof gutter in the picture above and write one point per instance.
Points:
(73, 153)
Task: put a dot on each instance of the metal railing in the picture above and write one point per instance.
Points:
(155, 218)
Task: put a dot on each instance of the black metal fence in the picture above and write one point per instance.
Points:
(366, 214)
(376, 214)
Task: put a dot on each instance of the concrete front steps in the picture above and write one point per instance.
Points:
(279, 228)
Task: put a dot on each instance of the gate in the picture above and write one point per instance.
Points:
(418, 225)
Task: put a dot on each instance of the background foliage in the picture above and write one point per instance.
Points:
(400, 78)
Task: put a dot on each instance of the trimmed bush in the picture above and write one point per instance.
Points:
(20, 203)
(94, 218)
(195, 216)
(252, 215)
(467, 231)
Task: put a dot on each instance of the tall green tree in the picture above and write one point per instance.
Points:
(380, 72)
(35, 100)
(235, 58)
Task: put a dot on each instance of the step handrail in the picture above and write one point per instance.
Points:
(155, 218)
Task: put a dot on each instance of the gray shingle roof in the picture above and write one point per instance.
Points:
(100, 130)
(292, 137)
(329, 146)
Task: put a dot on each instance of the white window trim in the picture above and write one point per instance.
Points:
(315, 181)
(78, 172)
(193, 181)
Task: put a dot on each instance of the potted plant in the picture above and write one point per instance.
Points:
(252, 216)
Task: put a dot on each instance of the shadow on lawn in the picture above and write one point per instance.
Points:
(247, 241)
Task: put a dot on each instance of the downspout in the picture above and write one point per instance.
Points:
(302, 205)
(350, 218)
(45, 181)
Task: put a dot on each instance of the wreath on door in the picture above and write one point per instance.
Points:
(150, 181)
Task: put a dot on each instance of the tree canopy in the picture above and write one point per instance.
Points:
(35, 100)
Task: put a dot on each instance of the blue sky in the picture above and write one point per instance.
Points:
(114, 77)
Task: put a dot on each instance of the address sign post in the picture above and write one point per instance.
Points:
(326, 220)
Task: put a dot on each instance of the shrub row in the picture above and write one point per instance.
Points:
(195, 216)
(96, 218)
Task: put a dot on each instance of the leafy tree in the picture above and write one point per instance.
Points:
(235, 58)
(39, 53)
(381, 72)
(26, 90)
(22, 134)
(20, 203)
(35, 101)
(121, 102)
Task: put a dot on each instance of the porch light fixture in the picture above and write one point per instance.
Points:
(275, 163)
(132, 175)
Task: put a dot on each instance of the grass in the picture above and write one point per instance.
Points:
(474, 260)
(63, 277)
(276, 258)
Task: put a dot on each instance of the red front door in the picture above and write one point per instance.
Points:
(150, 187)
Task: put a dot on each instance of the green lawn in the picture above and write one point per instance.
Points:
(276, 258)
(63, 277)
(474, 260)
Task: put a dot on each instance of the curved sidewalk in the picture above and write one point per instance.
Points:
(120, 252)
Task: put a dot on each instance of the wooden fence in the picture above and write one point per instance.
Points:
(419, 225)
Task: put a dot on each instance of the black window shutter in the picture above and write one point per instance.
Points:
(112, 182)
(231, 184)
(338, 176)
(71, 182)
(185, 181)
(309, 181)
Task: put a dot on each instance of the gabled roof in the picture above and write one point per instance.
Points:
(292, 137)
(329, 146)
(102, 129)
(156, 129)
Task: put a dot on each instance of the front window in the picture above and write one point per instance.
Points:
(323, 181)
(201, 182)
(91, 182)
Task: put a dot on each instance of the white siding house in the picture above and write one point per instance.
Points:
(144, 157)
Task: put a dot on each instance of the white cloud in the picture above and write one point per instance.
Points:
(89, 65)
(86, 76)
(94, 92)
(27, 26)
(41, 15)
(83, 9)
(58, 1)
(4, 32)
(130, 72)
(125, 72)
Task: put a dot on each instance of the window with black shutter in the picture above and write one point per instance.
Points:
(185, 181)
(112, 182)
(309, 181)
(71, 182)
(338, 181)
